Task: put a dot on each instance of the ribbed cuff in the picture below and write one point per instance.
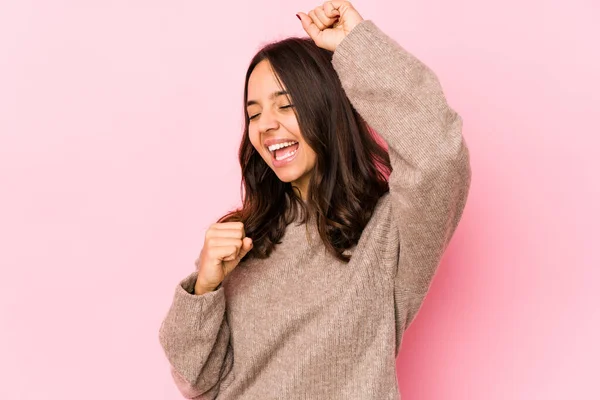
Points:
(365, 46)
(360, 38)
(189, 305)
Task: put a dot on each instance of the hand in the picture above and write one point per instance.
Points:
(328, 25)
(225, 245)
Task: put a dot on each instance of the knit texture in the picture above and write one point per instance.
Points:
(304, 325)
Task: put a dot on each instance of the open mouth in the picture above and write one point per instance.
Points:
(284, 153)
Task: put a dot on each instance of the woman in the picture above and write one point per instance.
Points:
(305, 292)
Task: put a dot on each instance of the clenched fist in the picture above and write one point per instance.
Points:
(328, 24)
(225, 244)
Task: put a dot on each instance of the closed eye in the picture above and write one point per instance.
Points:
(281, 108)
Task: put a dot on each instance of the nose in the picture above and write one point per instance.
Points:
(267, 121)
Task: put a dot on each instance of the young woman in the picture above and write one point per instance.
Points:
(305, 292)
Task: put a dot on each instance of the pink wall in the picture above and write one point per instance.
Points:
(119, 124)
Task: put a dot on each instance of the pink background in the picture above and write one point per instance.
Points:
(119, 127)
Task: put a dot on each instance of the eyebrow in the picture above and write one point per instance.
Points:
(272, 96)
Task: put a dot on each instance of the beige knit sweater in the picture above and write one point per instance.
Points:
(303, 325)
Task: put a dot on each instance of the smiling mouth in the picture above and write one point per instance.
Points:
(285, 152)
(284, 155)
(282, 149)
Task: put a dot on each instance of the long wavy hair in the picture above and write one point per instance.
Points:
(352, 167)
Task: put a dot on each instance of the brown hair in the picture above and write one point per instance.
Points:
(351, 170)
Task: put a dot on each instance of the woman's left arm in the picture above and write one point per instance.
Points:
(402, 99)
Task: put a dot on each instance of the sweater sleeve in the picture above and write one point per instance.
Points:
(195, 337)
(401, 98)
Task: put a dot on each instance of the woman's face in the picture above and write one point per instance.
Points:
(273, 123)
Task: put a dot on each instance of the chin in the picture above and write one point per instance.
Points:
(288, 176)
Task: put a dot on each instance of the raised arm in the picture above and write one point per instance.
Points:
(402, 99)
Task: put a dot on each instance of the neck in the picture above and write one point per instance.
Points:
(300, 192)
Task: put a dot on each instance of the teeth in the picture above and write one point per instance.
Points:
(280, 145)
(287, 155)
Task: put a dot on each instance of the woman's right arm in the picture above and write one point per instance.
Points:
(195, 338)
